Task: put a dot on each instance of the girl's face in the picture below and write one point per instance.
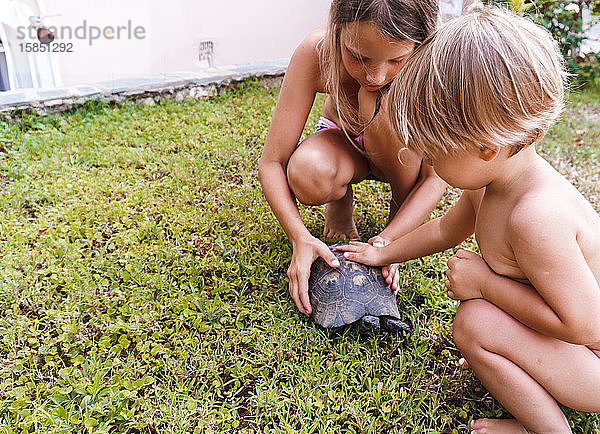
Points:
(370, 58)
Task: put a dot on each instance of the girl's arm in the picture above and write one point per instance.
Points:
(434, 236)
(300, 84)
(294, 103)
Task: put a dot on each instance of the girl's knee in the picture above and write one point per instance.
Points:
(311, 175)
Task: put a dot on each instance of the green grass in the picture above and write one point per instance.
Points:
(143, 286)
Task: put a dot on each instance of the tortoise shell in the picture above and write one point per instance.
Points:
(343, 295)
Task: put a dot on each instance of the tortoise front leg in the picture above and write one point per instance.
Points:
(394, 325)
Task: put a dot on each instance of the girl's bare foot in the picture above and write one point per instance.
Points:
(497, 426)
(339, 219)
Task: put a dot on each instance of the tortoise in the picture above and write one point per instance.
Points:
(352, 293)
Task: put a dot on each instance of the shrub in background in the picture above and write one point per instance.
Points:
(588, 69)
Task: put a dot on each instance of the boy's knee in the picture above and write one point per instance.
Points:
(471, 322)
(311, 176)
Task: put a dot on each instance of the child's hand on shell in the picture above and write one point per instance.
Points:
(390, 272)
(361, 252)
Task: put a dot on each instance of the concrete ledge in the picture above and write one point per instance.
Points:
(147, 88)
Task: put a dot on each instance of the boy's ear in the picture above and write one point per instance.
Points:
(487, 154)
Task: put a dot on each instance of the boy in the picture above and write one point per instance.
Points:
(485, 89)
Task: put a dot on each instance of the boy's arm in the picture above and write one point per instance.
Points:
(434, 236)
(415, 207)
(418, 204)
(564, 301)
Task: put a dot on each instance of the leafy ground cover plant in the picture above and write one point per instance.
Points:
(143, 289)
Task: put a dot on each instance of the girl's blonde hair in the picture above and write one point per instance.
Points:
(398, 20)
(489, 79)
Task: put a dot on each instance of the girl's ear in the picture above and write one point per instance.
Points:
(487, 154)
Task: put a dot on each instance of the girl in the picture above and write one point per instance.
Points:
(361, 50)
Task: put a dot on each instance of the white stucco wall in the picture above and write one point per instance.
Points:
(242, 32)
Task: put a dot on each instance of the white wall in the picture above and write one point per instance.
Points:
(242, 31)
(247, 31)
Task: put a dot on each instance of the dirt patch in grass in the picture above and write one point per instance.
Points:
(585, 178)
(577, 161)
(590, 113)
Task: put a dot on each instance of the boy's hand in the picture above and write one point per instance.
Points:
(390, 272)
(466, 275)
(362, 252)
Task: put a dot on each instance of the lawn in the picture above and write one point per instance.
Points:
(143, 283)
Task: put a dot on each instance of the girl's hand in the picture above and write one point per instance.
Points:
(390, 272)
(361, 252)
(305, 252)
(466, 275)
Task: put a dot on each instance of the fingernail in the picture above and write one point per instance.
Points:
(335, 262)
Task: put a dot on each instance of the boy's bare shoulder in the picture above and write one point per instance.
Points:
(539, 214)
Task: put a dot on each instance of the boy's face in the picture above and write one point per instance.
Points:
(369, 57)
(464, 170)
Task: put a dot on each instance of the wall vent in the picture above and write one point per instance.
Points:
(206, 52)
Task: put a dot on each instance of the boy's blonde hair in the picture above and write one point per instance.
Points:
(412, 20)
(488, 79)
